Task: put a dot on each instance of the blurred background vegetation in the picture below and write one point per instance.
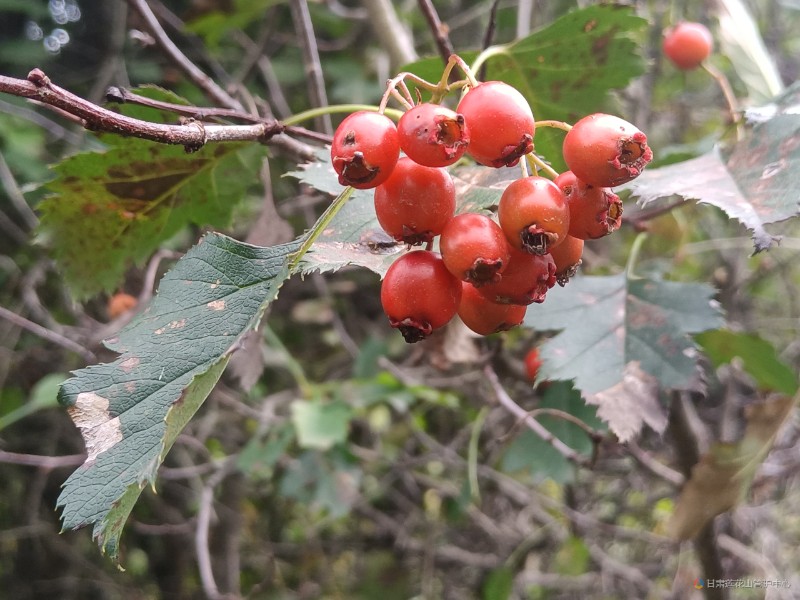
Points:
(376, 502)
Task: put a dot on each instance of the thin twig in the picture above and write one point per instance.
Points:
(311, 62)
(192, 135)
(655, 467)
(41, 462)
(15, 195)
(204, 513)
(47, 334)
(122, 95)
(507, 402)
(488, 37)
(195, 74)
(391, 32)
(439, 29)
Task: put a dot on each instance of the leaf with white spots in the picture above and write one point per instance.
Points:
(621, 339)
(131, 411)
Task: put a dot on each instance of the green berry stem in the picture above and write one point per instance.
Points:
(391, 86)
(320, 226)
(456, 60)
(633, 255)
(730, 97)
(484, 56)
(537, 163)
(554, 124)
(312, 113)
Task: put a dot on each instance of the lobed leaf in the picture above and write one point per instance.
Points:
(755, 181)
(620, 338)
(131, 411)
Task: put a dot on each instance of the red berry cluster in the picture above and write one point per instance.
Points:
(488, 270)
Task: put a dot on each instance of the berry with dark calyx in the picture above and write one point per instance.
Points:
(419, 294)
(594, 212)
(533, 214)
(433, 135)
(416, 202)
(533, 363)
(365, 149)
(500, 122)
(485, 317)
(474, 248)
(688, 44)
(567, 258)
(605, 151)
(525, 280)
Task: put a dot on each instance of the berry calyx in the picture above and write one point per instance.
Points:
(365, 149)
(533, 214)
(419, 294)
(594, 212)
(525, 280)
(415, 203)
(687, 45)
(567, 258)
(605, 151)
(485, 317)
(474, 248)
(501, 124)
(433, 135)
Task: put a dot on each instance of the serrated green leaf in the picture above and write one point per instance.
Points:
(621, 337)
(755, 181)
(758, 357)
(130, 411)
(354, 236)
(115, 208)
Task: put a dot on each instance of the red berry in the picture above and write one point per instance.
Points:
(532, 364)
(604, 150)
(533, 214)
(687, 45)
(365, 149)
(416, 202)
(120, 303)
(474, 248)
(485, 317)
(433, 135)
(419, 294)
(594, 211)
(525, 280)
(500, 122)
(567, 258)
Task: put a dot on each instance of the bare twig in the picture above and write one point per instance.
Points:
(41, 462)
(439, 29)
(204, 514)
(655, 467)
(121, 95)
(507, 402)
(388, 28)
(488, 37)
(15, 194)
(195, 74)
(311, 62)
(47, 334)
(192, 135)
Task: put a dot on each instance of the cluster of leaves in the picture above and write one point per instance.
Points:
(620, 339)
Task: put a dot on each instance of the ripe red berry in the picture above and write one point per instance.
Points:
(525, 280)
(365, 149)
(567, 258)
(594, 211)
(419, 294)
(474, 248)
(604, 150)
(687, 45)
(433, 135)
(533, 214)
(533, 363)
(485, 317)
(416, 202)
(500, 122)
